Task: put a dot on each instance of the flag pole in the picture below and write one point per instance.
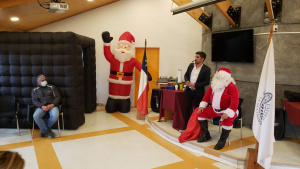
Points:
(147, 75)
(139, 115)
(251, 157)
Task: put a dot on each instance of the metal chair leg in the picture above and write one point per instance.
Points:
(219, 127)
(58, 127)
(32, 129)
(241, 128)
(62, 120)
(18, 125)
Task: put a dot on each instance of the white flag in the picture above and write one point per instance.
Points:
(264, 114)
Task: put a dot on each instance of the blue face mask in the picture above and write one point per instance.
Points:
(44, 83)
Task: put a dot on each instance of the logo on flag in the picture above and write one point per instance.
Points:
(263, 106)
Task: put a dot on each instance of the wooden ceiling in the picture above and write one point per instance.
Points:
(32, 15)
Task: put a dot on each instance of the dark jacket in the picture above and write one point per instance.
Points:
(202, 80)
(42, 96)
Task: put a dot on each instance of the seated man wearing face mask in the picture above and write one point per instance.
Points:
(46, 98)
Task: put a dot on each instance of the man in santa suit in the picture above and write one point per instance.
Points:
(122, 63)
(223, 95)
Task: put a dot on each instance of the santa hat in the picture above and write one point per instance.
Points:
(127, 38)
(224, 71)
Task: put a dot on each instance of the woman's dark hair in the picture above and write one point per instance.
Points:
(11, 160)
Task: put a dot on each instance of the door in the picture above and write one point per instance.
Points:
(153, 67)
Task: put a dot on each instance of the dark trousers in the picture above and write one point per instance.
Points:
(117, 105)
(191, 102)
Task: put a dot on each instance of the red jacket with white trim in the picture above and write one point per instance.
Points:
(228, 100)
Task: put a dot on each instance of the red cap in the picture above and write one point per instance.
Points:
(225, 71)
(127, 38)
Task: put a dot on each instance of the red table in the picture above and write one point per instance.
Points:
(293, 111)
(173, 100)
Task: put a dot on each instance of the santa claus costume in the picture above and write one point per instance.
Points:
(122, 63)
(223, 95)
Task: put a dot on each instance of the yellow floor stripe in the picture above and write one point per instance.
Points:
(92, 134)
(45, 154)
(154, 118)
(16, 145)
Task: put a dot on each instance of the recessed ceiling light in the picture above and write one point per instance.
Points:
(14, 19)
(90, 0)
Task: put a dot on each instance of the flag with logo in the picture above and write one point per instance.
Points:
(264, 114)
(142, 102)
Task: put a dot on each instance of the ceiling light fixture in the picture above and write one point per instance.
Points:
(90, 0)
(193, 5)
(14, 19)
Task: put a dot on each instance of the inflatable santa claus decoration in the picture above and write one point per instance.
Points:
(122, 62)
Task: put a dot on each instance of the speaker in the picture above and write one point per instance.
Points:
(155, 100)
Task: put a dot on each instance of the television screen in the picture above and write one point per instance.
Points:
(234, 46)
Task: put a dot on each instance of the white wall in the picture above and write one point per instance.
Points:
(178, 36)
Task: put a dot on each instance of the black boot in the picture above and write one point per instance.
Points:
(222, 141)
(205, 133)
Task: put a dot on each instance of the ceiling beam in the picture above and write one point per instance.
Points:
(223, 8)
(195, 13)
(10, 3)
(270, 9)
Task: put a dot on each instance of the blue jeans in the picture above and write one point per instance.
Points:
(40, 113)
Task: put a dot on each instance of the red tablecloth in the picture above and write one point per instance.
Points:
(293, 111)
(173, 100)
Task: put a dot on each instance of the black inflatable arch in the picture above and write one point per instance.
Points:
(65, 58)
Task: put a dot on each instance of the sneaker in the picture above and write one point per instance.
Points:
(51, 134)
(43, 134)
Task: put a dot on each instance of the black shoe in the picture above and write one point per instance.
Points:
(44, 134)
(205, 133)
(182, 129)
(204, 137)
(222, 141)
(51, 134)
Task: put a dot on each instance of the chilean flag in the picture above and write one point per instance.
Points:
(142, 102)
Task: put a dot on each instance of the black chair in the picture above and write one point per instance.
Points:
(9, 108)
(238, 118)
(31, 110)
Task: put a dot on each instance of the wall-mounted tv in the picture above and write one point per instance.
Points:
(236, 46)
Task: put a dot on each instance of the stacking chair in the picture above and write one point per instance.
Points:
(9, 108)
(31, 110)
(239, 118)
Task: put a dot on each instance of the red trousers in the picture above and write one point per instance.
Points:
(209, 113)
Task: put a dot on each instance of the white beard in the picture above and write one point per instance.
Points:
(123, 55)
(220, 81)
